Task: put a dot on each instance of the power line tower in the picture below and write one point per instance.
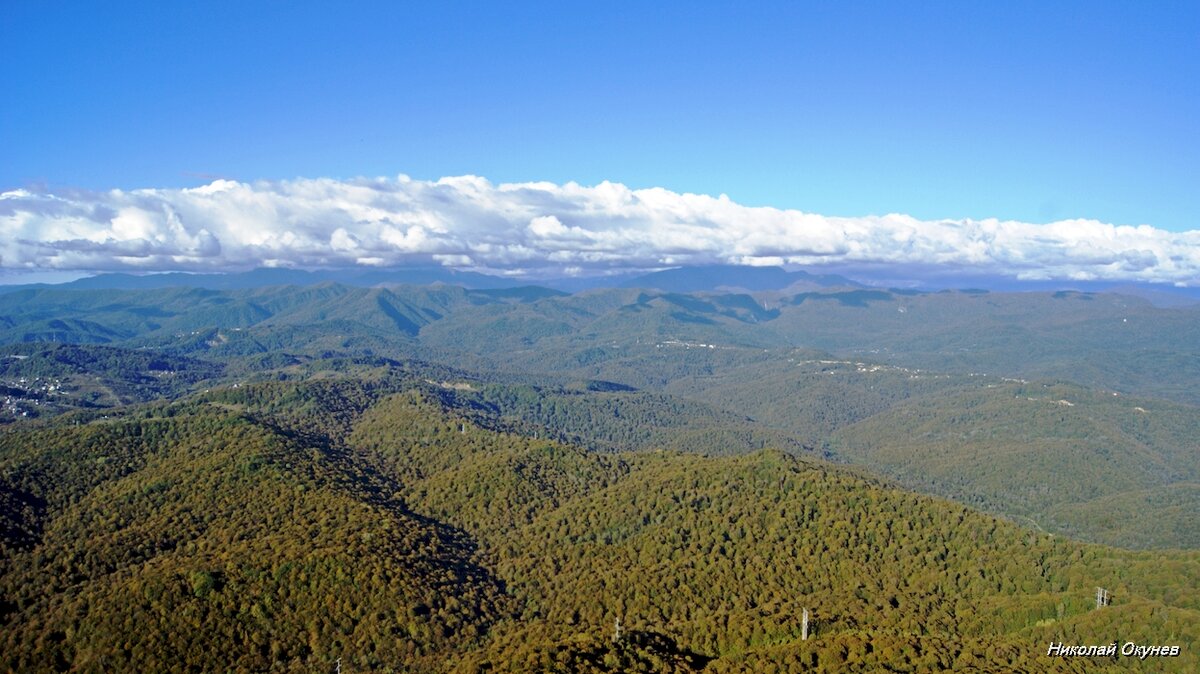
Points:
(1102, 597)
(804, 626)
(339, 667)
(617, 630)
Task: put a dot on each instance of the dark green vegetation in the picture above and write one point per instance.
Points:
(1131, 466)
(850, 374)
(194, 538)
(440, 479)
(403, 525)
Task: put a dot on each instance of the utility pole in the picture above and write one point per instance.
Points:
(339, 666)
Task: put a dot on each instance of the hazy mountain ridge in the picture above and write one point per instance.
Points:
(702, 278)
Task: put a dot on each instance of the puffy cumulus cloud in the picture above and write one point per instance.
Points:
(538, 230)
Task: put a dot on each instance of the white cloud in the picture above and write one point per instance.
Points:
(540, 229)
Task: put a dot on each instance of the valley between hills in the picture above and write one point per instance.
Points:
(435, 478)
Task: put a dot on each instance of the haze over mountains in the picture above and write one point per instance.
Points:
(678, 279)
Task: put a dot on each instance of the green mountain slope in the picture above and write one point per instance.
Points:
(717, 373)
(284, 525)
(812, 394)
(629, 420)
(1055, 454)
(193, 538)
(1110, 341)
(721, 553)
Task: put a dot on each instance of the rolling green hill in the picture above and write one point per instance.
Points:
(275, 317)
(843, 372)
(1055, 454)
(1110, 341)
(193, 538)
(367, 514)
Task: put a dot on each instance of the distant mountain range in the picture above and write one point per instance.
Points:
(703, 278)
(261, 278)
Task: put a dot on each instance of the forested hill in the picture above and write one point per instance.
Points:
(321, 316)
(1111, 341)
(952, 393)
(404, 525)
(1127, 469)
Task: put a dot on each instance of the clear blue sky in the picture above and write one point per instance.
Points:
(1034, 111)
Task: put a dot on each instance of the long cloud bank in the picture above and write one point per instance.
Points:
(540, 230)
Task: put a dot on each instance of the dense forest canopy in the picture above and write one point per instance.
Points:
(438, 479)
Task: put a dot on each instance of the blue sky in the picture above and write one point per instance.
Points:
(1035, 111)
(1038, 141)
